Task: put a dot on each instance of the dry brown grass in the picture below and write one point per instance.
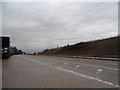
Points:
(107, 46)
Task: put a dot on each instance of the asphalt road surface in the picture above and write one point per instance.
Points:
(29, 71)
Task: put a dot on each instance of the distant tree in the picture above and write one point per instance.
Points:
(35, 53)
(68, 45)
(15, 50)
(20, 52)
(46, 49)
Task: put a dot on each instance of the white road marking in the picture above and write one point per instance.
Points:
(113, 69)
(109, 83)
(77, 66)
(82, 75)
(93, 66)
(65, 63)
(108, 62)
(98, 71)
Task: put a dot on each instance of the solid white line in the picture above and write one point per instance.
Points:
(109, 83)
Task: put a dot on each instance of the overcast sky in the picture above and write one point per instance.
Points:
(35, 26)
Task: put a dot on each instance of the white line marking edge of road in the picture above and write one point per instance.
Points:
(109, 83)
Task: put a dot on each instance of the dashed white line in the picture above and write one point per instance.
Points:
(109, 83)
(65, 63)
(77, 66)
(98, 71)
(82, 75)
(93, 66)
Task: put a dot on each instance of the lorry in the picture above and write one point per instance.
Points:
(5, 47)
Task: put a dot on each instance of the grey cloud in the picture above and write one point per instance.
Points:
(0, 18)
(36, 26)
